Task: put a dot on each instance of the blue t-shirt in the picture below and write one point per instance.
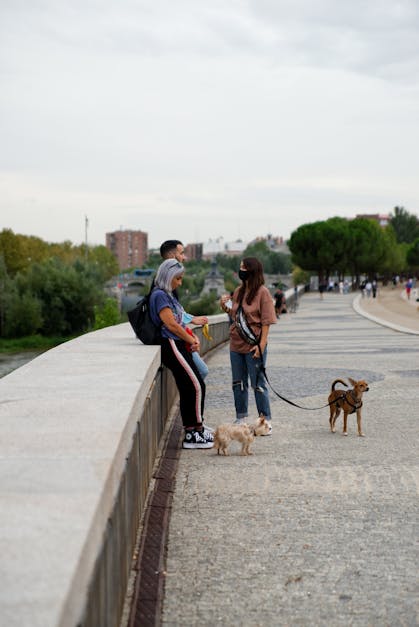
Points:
(159, 300)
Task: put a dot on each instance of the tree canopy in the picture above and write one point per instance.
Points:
(340, 246)
(405, 225)
(21, 251)
(51, 289)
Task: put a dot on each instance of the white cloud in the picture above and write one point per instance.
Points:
(194, 116)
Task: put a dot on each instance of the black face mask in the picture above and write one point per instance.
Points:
(243, 275)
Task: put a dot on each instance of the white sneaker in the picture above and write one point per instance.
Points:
(240, 421)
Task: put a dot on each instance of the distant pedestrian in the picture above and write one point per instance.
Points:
(409, 285)
(280, 302)
(374, 288)
(368, 288)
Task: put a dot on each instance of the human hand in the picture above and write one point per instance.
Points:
(196, 344)
(256, 350)
(226, 302)
(201, 320)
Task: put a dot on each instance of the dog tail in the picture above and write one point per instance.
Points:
(338, 381)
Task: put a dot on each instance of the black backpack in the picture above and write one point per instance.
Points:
(143, 325)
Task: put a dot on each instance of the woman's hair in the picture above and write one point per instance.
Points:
(255, 278)
(167, 271)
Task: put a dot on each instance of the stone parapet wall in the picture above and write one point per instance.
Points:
(80, 429)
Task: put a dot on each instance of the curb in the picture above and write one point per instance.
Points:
(384, 323)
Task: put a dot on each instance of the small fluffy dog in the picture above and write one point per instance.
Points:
(225, 434)
(350, 401)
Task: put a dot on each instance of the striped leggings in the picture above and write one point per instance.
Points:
(189, 382)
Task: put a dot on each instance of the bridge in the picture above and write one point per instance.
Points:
(313, 529)
(81, 427)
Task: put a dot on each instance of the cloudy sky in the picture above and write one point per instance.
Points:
(196, 119)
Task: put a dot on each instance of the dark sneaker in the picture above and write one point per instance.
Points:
(198, 439)
(209, 433)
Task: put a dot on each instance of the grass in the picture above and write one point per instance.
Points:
(30, 343)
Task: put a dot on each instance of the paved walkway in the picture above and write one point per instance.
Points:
(392, 309)
(314, 528)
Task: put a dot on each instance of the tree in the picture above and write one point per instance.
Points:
(107, 314)
(5, 288)
(23, 315)
(412, 256)
(12, 251)
(394, 259)
(367, 246)
(68, 294)
(321, 247)
(105, 259)
(21, 251)
(300, 277)
(405, 225)
(273, 262)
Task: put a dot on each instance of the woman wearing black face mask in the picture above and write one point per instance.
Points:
(259, 313)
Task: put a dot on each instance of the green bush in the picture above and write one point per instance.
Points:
(208, 305)
(23, 315)
(106, 315)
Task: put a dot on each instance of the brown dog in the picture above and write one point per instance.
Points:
(245, 434)
(350, 401)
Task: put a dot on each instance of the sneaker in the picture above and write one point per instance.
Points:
(240, 421)
(208, 428)
(208, 434)
(198, 439)
(270, 430)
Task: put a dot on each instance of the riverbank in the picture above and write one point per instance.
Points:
(16, 352)
(12, 361)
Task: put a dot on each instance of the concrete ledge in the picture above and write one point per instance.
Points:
(80, 428)
(383, 321)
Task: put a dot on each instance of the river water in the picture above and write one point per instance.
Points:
(11, 361)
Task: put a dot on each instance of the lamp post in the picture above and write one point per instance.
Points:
(86, 224)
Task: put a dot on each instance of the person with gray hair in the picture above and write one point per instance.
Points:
(176, 347)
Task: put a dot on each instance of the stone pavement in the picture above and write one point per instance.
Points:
(314, 528)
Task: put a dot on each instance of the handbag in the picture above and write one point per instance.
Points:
(142, 323)
(243, 327)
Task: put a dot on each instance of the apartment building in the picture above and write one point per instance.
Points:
(129, 247)
(194, 251)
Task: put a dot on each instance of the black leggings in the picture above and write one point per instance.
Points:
(190, 384)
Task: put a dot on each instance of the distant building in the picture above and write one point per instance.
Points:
(275, 243)
(220, 247)
(381, 219)
(129, 247)
(194, 251)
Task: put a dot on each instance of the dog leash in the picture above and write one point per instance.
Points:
(287, 400)
(256, 342)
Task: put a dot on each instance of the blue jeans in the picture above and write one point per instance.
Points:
(243, 366)
(200, 364)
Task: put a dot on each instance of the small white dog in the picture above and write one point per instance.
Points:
(225, 434)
